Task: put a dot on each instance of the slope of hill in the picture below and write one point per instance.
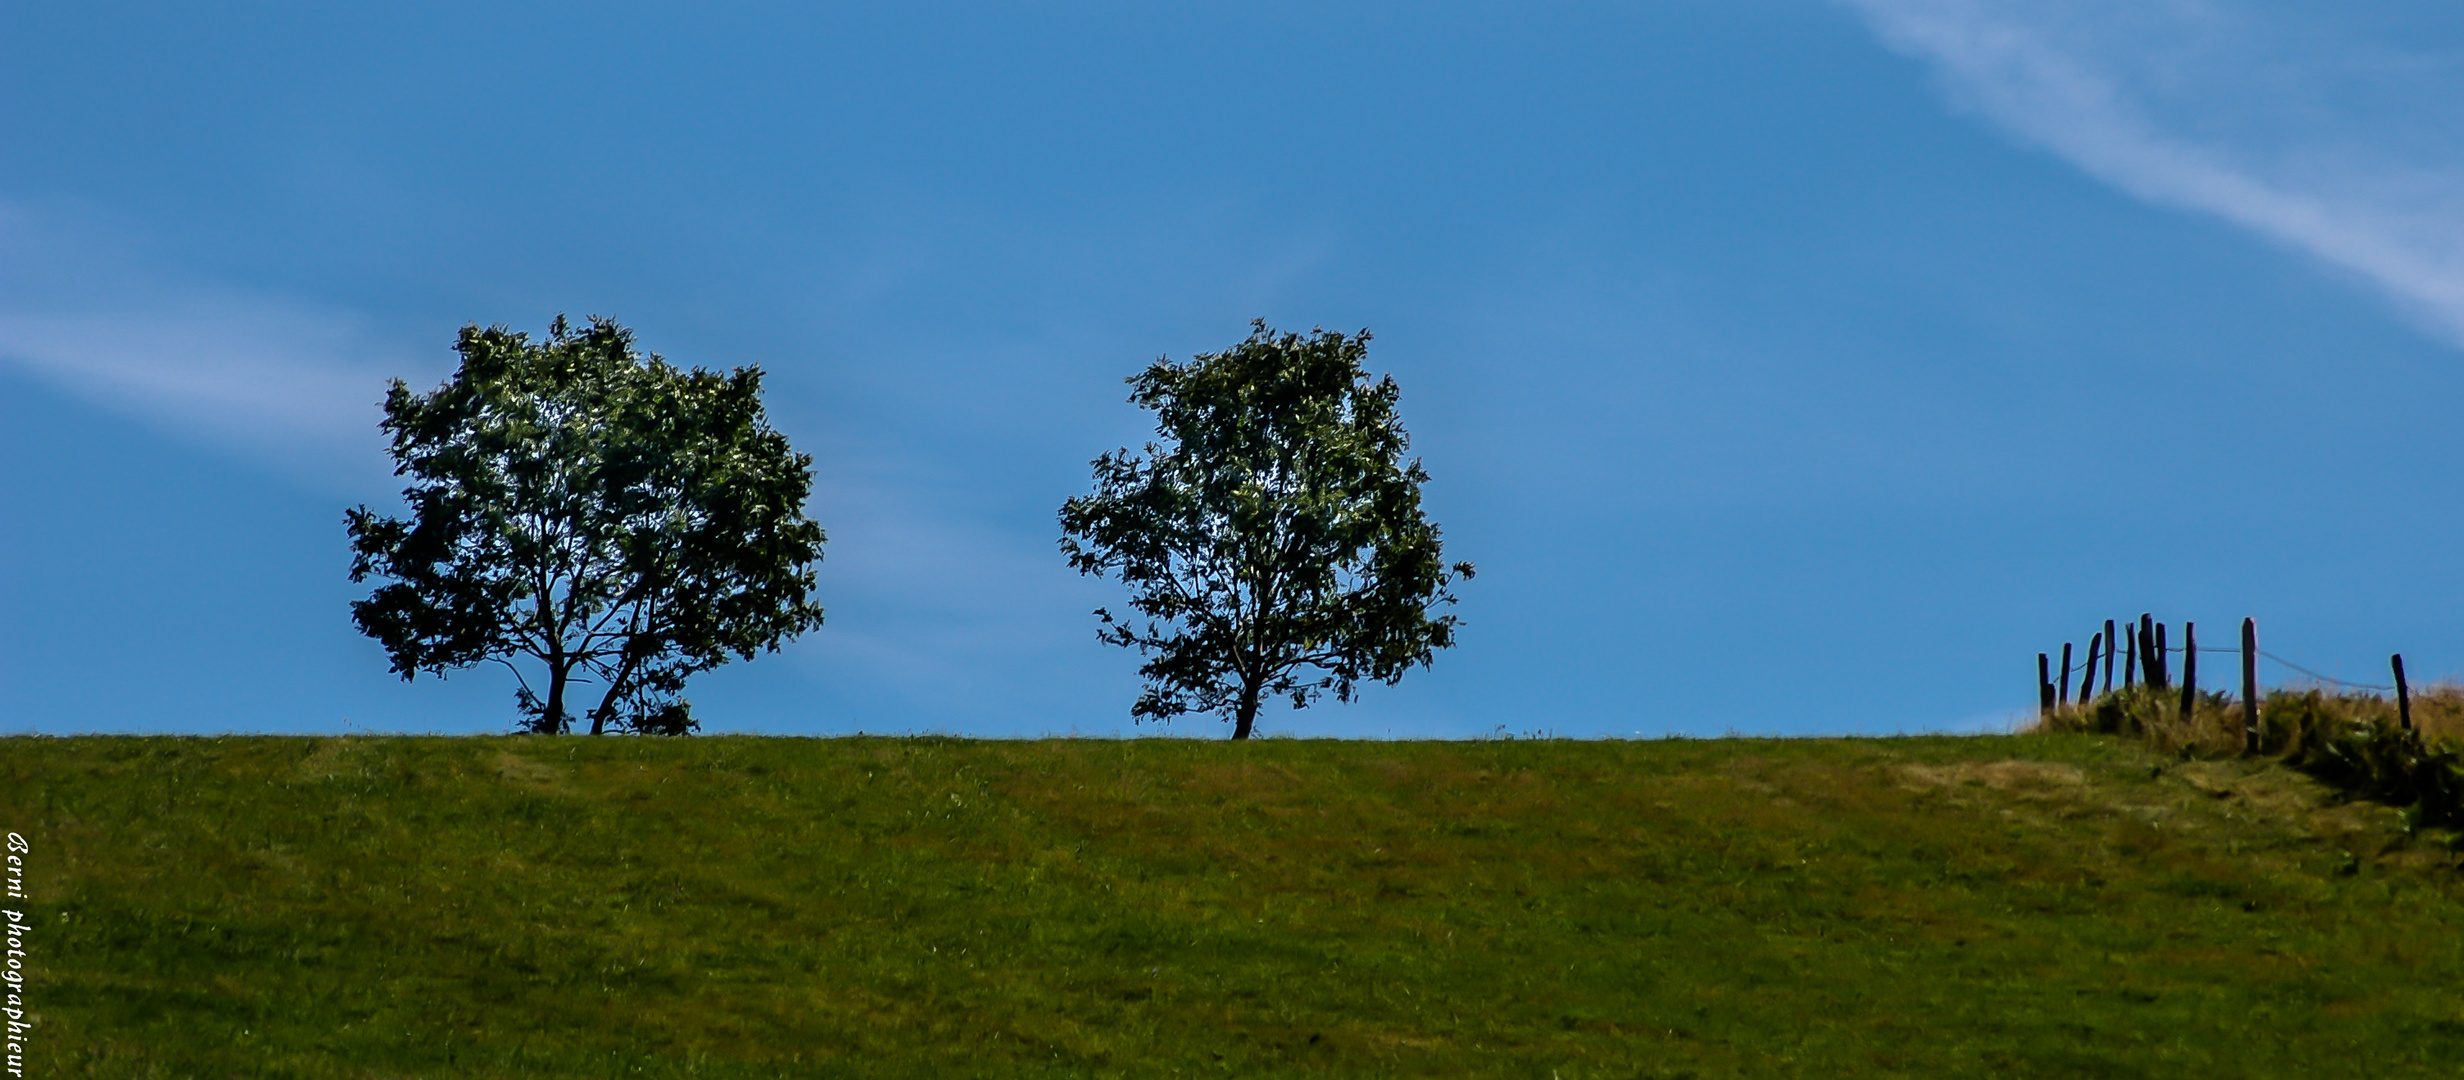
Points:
(732, 907)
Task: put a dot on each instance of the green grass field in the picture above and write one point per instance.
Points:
(739, 907)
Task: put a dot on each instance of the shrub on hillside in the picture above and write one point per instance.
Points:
(2351, 740)
(2155, 717)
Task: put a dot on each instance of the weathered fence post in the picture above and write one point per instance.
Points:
(2064, 685)
(2087, 675)
(2404, 694)
(2110, 642)
(2160, 662)
(2147, 650)
(2130, 663)
(2250, 686)
(2044, 685)
(2190, 669)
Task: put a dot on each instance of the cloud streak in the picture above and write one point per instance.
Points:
(289, 382)
(243, 368)
(2336, 138)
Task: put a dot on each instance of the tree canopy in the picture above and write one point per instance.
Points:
(1272, 539)
(613, 518)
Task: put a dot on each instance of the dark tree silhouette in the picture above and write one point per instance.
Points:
(1272, 540)
(614, 518)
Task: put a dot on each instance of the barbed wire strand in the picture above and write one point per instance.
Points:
(2169, 649)
(2297, 667)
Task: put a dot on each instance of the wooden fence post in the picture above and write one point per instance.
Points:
(2149, 654)
(2044, 685)
(2087, 676)
(2130, 663)
(2190, 669)
(2064, 685)
(2404, 694)
(2250, 686)
(2110, 642)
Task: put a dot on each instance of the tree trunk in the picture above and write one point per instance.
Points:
(1247, 718)
(607, 705)
(598, 716)
(553, 722)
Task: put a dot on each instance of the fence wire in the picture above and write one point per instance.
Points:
(2236, 651)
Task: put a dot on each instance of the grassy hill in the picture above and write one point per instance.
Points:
(2062, 905)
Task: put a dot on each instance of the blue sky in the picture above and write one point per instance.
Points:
(1786, 367)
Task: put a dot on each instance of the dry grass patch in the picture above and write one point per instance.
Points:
(2031, 779)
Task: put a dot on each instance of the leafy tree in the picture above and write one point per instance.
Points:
(1273, 541)
(610, 516)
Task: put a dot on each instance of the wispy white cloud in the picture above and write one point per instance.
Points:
(283, 380)
(2337, 130)
(249, 369)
